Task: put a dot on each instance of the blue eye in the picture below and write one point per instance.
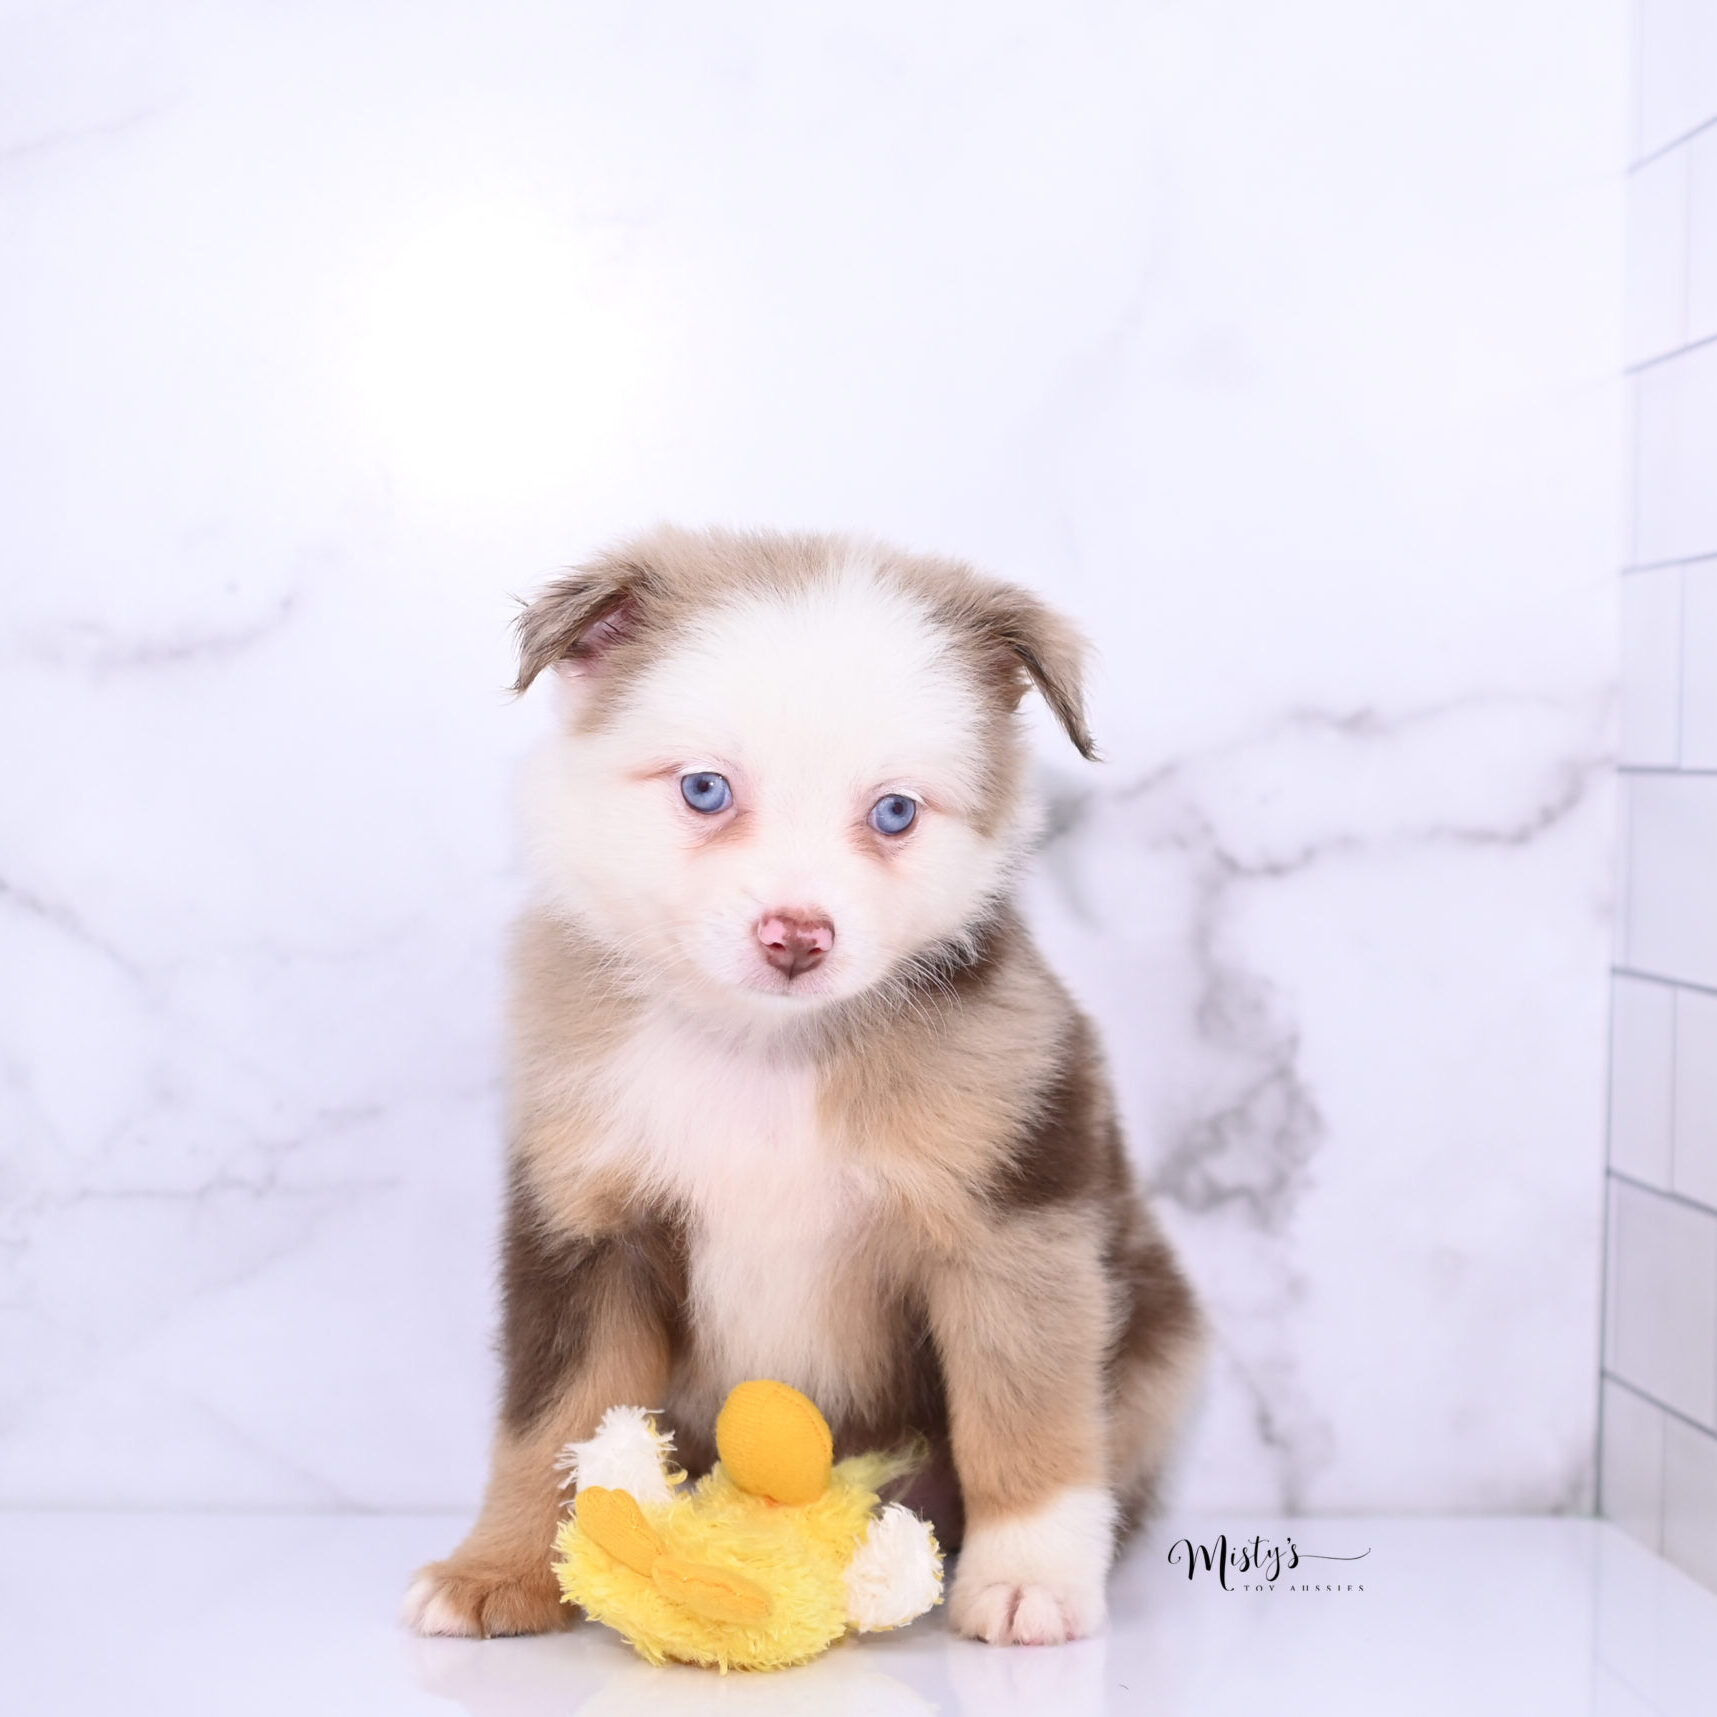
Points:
(706, 792)
(893, 814)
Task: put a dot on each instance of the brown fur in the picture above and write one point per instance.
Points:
(1012, 1304)
(615, 613)
(563, 1292)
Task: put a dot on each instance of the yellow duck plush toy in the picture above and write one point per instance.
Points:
(765, 1562)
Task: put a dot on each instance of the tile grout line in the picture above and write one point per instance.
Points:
(1658, 978)
(1634, 567)
(1663, 1192)
(1669, 357)
(1671, 146)
(1663, 1407)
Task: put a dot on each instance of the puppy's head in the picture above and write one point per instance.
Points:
(789, 767)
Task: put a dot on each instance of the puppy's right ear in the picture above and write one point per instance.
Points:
(578, 620)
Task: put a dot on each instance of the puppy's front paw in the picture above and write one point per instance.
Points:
(472, 1598)
(1037, 1578)
(1025, 1615)
(1008, 1614)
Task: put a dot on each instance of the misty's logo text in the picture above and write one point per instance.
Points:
(1259, 1556)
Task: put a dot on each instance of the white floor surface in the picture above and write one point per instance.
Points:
(242, 1615)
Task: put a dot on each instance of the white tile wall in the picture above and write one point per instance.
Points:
(1677, 70)
(1658, 238)
(1700, 247)
(1642, 1072)
(1695, 1157)
(1690, 1499)
(1672, 876)
(1675, 426)
(1621, 878)
(1658, 1453)
(1698, 674)
(1631, 1470)
(1661, 1322)
(1651, 667)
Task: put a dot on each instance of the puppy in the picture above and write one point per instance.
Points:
(793, 1094)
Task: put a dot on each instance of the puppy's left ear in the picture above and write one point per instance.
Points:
(1033, 643)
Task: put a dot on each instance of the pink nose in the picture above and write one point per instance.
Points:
(793, 943)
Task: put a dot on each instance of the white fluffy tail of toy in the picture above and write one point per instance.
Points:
(896, 1574)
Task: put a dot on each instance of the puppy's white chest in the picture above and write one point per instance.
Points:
(774, 1218)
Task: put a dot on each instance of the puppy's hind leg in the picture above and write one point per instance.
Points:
(1153, 1372)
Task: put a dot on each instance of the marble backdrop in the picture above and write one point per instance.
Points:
(1276, 343)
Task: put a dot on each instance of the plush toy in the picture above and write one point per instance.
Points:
(765, 1562)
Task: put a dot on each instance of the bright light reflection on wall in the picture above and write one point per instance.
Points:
(493, 361)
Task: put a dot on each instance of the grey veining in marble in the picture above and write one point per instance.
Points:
(328, 331)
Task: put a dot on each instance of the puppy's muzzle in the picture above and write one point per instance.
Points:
(793, 943)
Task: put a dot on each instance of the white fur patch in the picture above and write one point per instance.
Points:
(426, 1611)
(627, 1452)
(896, 1574)
(731, 1135)
(1038, 1578)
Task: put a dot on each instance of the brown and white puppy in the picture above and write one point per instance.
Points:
(793, 1094)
